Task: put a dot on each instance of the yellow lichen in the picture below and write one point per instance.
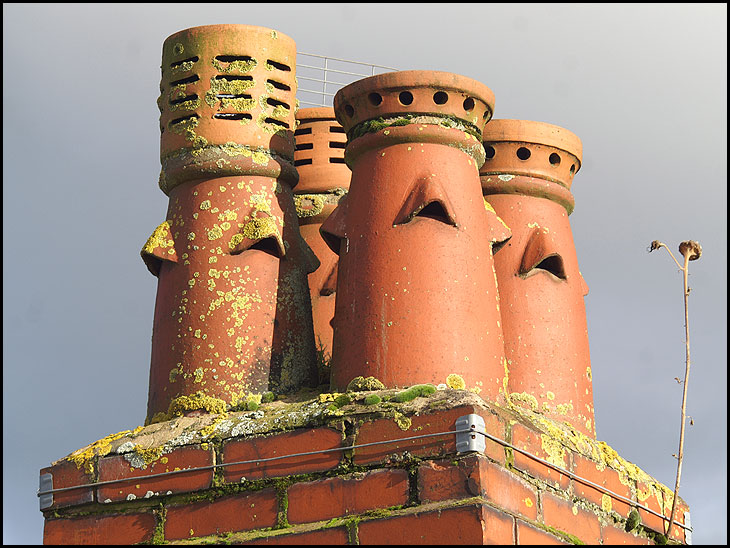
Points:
(159, 238)
(84, 457)
(505, 380)
(606, 503)
(328, 397)
(148, 455)
(260, 228)
(564, 408)
(197, 401)
(215, 233)
(309, 205)
(455, 381)
(554, 450)
(403, 422)
(239, 65)
(565, 435)
(524, 397)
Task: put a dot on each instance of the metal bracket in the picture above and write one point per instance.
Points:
(46, 484)
(471, 440)
(688, 530)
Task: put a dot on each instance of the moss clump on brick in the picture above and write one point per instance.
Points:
(372, 399)
(414, 392)
(562, 534)
(282, 486)
(633, 520)
(158, 537)
(361, 384)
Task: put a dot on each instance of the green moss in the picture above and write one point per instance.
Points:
(268, 397)
(414, 392)
(158, 537)
(360, 384)
(562, 534)
(379, 124)
(343, 400)
(282, 487)
(633, 520)
(372, 399)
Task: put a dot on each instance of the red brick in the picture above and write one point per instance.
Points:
(569, 518)
(228, 514)
(613, 536)
(476, 476)
(678, 532)
(444, 480)
(473, 524)
(527, 534)
(654, 502)
(506, 490)
(531, 441)
(608, 478)
(116, 529)
(67, 474)
(494, 426)
(388, 429)
(118, 467)
(337, 497)
(299, 441)
(331, 536)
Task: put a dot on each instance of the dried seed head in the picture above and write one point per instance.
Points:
(656, 244)
(691, 248)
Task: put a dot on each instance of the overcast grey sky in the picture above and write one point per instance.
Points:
(643, 85)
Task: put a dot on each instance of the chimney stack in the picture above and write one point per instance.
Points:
(501, 451)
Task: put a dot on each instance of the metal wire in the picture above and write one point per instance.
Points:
(326, 93)
(580, 479)
(255, 461)
(345, 60)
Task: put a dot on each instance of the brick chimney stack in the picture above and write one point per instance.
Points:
(460, 408)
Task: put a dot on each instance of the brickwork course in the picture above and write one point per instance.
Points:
(410, 491)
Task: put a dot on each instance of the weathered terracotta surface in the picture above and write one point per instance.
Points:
(416, 290)
(527, 177)
(232, 316)
(323, 180)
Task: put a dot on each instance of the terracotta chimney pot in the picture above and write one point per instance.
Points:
(416, 291)
(232, 318)
(323, 180)
(527, 177)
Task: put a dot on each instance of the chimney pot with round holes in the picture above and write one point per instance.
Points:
(526, 177)
(416, 294)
